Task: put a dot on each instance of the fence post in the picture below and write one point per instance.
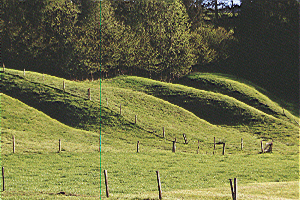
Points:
(3, 182)
(223, 153)
(135, 119)
(106, 183)
(235, 188)
(24, 73)
(174, 146)
(232, 190)
(43, 79)
(14, 144)
(242, 144)
(59, 145)
(159, 184)
(164, 135)
(185, 140)
(64, 85)
(89, 94)
(214, 143)
(137, 146)
(262, 146)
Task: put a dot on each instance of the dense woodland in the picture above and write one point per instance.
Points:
(163, 40)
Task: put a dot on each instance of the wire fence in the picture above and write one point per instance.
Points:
(77, 88)
(90, 90)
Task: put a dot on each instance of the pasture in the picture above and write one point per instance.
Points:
(195, 171)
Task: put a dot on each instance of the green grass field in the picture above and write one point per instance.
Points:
(222, 107)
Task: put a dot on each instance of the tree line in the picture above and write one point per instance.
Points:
(160, 39)
(58, 37)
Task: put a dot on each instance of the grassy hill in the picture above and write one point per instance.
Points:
(213, 107)
(242, 90)
(199, 113)
(36, 170)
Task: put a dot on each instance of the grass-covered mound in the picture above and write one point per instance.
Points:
(184, 174)
(36, 132)
(65, 106)
(242, 90)
(216, 108)
(36, 169)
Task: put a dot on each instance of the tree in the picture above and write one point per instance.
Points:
(20, 31)
(268, 31)
(59, 37)
(196, 12)
(161, 36)
(114, 49)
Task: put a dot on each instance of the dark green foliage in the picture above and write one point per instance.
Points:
(268, 53)
(160, 32)
(162, 40)
(211, 45)
(196, 12)
(48, 36)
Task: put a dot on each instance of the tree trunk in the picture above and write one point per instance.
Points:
(216, 9)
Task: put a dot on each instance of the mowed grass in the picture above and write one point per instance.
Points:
(36, 169)
(184, 174)
(242, 90)
(215, 108)
(36, 132)
(256, 191)
(134, 174)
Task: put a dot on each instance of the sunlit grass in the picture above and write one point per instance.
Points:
(37, 171)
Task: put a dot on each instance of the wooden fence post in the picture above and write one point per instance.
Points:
(24, 73)
(231, 187)
(159, 184)
(64, 85)
(3, 182)
(223, 153)
(235, 188)
(262, 146)
(106, 183)
(43, 79)
(214, 143)
(185, 140)
(89, 94)
(241, 143)
(137, 146)
(14, 144)
(164, 135)
(135, 119)
(174, 146)
(59, 145)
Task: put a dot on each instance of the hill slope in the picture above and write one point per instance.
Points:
(131, 174)
(37, 132)
(36, 170)
(240, 89)
(213, 107)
